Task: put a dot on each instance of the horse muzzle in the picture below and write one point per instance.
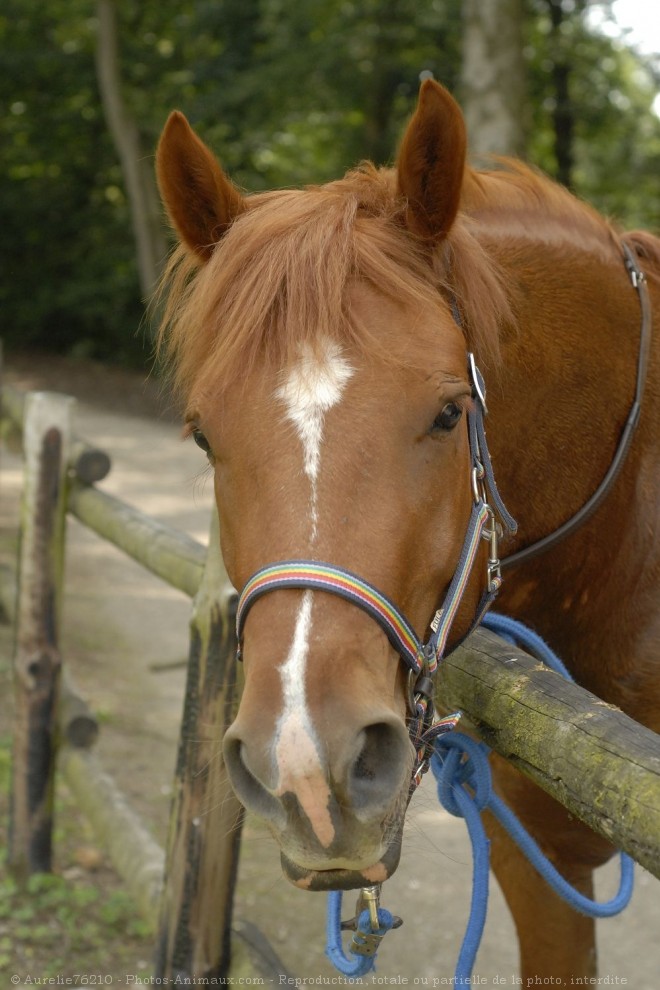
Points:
(344, 878)
(337, 814)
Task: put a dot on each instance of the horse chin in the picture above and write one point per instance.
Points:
(343, 879)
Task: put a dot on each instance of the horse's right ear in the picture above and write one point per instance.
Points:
(431, 163)
(199, 198)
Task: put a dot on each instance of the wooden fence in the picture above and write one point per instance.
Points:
(600, 764)
(186, 891)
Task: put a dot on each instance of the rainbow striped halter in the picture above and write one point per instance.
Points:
(488, 518)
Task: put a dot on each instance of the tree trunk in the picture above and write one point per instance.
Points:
(493, 76)
(383, 82)
(563, 117)
(136, 167)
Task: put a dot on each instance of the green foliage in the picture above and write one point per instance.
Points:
(294, 93)
(52, 924)
(286, 93)
(65, 924)
(616, 142)
(65, 247)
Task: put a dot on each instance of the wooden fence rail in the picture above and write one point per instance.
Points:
(85, 461)
(134, 853)
(172, 556)
(601, 765)
(196, 894)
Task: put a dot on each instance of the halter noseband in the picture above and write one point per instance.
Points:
(487, 518)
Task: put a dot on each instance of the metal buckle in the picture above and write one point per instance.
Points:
(476, 382)
(369, 898)
(478, 487)
(492, 533)
(365, 944)
(419, 683)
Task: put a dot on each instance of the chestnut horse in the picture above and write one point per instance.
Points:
(320, 339)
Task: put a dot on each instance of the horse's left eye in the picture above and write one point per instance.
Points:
(448, 417)
(201, 441)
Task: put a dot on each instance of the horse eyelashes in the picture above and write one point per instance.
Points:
(448, 417)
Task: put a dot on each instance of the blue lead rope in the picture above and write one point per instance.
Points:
(359, 965)
(462, 771)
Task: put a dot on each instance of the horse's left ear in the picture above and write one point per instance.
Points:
(431, 162)
(200, 200)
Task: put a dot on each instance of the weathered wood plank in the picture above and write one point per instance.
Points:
(135, 855)
(37, 660)
(76, 723)
(599, 763)
(206, 818)
(171, 555)
(88, 463)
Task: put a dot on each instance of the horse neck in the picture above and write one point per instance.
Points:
(564, 392)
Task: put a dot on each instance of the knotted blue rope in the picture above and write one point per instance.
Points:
(460, 763)
(462, 771)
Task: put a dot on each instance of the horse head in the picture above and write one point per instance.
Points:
(326, 376)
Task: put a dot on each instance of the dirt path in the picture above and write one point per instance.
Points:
(124, 634)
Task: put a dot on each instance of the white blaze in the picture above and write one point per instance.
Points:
(312, 387)
(297, 752)
(292, 670)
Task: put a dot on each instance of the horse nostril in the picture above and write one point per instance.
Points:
(378, 774)
(249, 790)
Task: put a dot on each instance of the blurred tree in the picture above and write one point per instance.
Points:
(493, 80)
(68, 276)
(593, 123)
(286, 93)
(563, 111)
(299, 92)
(151, 247)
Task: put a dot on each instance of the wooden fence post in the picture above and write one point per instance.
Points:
(206, 819)
(37, 661)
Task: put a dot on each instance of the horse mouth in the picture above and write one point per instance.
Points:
(343, 879)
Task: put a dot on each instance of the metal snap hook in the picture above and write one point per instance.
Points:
(492, 532)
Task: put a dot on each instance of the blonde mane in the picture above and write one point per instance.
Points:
(278, 278)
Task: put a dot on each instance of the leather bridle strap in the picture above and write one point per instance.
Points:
(638, 280)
